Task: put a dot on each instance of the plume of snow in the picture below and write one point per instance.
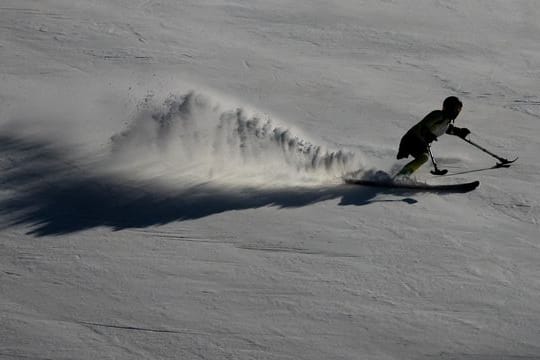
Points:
(190, 137)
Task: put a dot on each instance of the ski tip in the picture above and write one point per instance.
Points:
(506, 163)
(474, 184)
(462, 188)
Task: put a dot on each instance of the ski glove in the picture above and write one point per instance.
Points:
(460, 132)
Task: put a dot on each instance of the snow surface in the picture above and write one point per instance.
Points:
(170, 180)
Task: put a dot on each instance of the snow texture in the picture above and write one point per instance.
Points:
(171, 180)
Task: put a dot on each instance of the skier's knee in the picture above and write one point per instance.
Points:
(422, 158)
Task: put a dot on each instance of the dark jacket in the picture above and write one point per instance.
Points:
(416, 141)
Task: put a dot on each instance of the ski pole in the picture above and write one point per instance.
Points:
(502, 160)
(436, 171)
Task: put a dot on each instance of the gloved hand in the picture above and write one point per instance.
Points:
(462, 132)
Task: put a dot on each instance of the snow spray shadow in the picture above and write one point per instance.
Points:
(45, 190)
(49, 188)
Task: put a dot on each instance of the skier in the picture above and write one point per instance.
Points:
(417, 140)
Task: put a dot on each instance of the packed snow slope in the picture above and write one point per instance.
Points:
(170, 180)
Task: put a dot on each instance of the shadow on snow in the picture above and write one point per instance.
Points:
(43, 189)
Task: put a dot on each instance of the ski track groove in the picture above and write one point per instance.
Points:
(300, 251)
(243, 337)
(137, 328)
(183, 238)
(115, 342)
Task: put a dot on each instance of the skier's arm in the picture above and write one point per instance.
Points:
(427, 135)
(427, 126)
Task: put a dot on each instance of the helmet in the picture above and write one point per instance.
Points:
(451, 103)
(451, 107)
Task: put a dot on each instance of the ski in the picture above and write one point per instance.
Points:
(504, 162)
(460, 187)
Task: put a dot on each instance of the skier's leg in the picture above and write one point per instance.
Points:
(412, 166)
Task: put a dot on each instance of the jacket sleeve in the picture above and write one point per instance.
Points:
(427, 135)
(427, 125)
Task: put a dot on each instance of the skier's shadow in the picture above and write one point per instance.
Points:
(53, 196)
